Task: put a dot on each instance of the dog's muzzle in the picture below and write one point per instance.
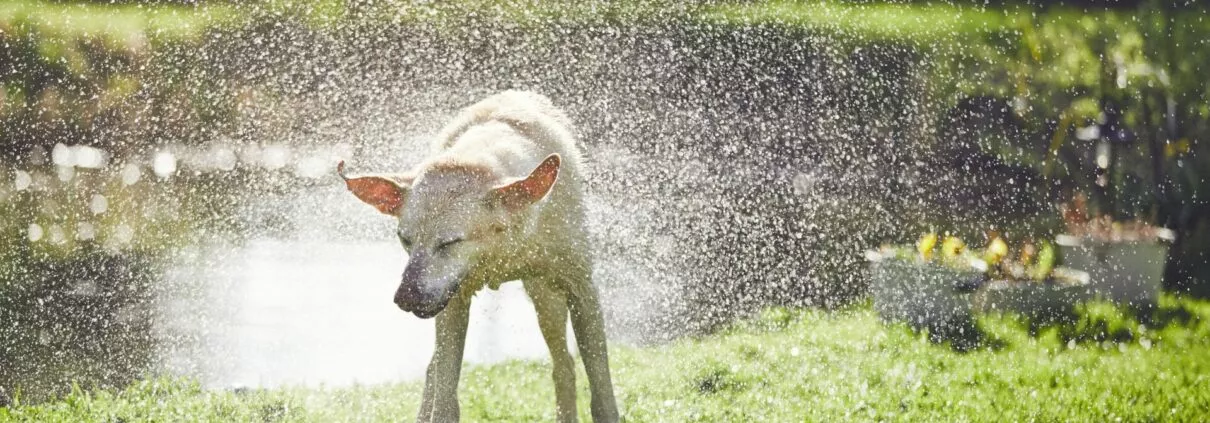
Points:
(411, 299)
(421, 293)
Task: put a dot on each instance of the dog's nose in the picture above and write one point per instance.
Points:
(410, 299)
(407, 297)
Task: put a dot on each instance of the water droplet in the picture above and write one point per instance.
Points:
(312, 167)
(35, 232)
(130, 174)
(90, 157)
(37, 156)
(224, 159)
(84, 288)
(57, 236)
(123, 233)
(86, 231)
(61, 155)
(99, 204)
(275, 157)
(164, 164)
(65, 173)
(1102, 155)
(23, 180)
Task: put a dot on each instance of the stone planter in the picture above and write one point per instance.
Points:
(1047, 300)
(1126, 272)
(928, 295)
(921, 294)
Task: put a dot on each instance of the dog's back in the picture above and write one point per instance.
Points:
(514, 131)
(526, 113)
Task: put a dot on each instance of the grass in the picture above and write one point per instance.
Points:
(803, 365)
(870, 22)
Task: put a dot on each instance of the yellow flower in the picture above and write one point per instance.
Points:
(951, 247)
(997, 249)
(926, 244)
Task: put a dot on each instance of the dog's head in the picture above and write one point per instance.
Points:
(449, 215)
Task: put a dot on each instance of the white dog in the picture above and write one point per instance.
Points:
(499, 199)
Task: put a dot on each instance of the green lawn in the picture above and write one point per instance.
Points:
(869, 22)
(784, 366)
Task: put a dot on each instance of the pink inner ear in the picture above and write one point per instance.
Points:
(535, 186)
(379, 192)
(542, 178)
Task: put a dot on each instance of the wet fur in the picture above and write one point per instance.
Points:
(500, 139)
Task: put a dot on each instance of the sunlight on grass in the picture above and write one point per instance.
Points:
(787, 365)
(920, 23)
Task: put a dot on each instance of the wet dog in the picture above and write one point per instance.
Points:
(499, 199)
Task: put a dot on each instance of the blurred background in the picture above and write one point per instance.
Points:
(168, 201)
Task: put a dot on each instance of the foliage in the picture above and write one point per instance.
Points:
(1072, 78)
(1060, 69)
(1108, 101)
(96, 74)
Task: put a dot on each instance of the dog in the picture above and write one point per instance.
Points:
(499, 199)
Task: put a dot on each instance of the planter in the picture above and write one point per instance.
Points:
(919, 293)
(1127, 272)
(1050, 299)
(925, 294)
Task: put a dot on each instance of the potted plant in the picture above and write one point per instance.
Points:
(1125, 260)
(1031, 282)
(931, 287)
(920, 287)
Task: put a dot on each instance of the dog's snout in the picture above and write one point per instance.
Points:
(415, 293)
(410, 295)
(425, 290)
(407, 296)
(413, 299)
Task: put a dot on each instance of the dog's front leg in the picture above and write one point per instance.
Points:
(589, 326)
(439, 404)
(551, 307)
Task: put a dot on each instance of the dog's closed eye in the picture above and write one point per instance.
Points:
(448, 243)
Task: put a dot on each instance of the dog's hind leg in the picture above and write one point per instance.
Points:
(439, 404)
(589, 326)
(551, 307)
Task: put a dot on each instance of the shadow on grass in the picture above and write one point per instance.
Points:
(961, 335)
(1092, 322)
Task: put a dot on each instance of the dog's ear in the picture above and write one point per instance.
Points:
(518, 193)
(386, 193)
